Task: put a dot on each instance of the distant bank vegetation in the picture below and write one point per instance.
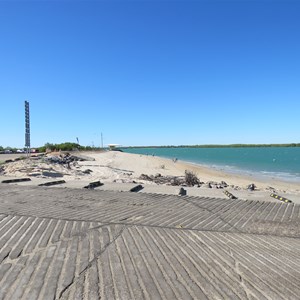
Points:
(221, 146)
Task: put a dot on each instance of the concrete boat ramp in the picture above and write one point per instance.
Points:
(86, 244)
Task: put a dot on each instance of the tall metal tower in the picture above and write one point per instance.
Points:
(27, 128)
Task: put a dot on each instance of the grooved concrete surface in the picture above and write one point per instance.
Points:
(78, 244)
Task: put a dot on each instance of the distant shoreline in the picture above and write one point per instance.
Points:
(219, 146)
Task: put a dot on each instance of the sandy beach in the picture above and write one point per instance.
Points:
(122, 171)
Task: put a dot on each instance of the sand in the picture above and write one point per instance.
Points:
(121, 171)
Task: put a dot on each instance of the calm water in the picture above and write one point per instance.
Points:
(276, 162)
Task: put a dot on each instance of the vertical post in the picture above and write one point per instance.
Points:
(27, 128)
(78, 143)
(101, 140)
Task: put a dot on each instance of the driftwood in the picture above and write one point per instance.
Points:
(66, 159)
(170, 180)
(190, 179)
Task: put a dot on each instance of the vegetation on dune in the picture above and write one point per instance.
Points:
(65, 147)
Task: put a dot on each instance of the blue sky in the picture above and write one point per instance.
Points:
(150, 72)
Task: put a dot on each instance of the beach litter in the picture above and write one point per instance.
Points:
(179, 226)
(251, 187)
(216, 185)
(182, 192)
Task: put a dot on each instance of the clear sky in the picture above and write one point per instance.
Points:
(150, 72)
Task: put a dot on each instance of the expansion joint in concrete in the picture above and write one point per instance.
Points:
(90, 264)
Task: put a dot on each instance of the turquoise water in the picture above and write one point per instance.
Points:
(276, 162)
